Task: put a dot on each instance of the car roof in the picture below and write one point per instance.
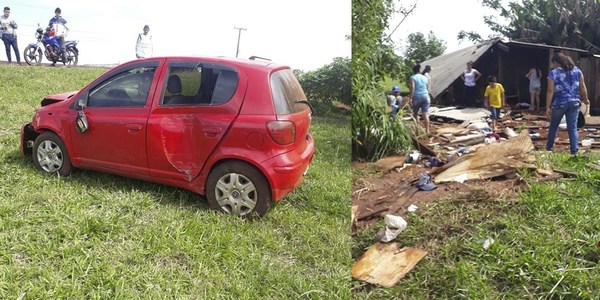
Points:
(241, 62)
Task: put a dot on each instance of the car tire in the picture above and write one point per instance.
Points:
(50, 154)
(238, 188)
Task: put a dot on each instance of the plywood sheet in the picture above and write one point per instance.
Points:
(385, 264)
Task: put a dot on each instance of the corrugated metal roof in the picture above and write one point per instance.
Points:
(448, 67)
(465, 114)
(543, 46)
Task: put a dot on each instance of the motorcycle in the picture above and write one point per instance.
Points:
(47, 40)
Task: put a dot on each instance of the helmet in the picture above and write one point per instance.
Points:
(396, 89)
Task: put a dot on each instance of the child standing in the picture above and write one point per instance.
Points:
(495, 99)
(395, 101)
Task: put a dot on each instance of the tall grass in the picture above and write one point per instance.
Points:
(374, 133)
(99, 236)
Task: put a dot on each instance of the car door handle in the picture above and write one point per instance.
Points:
(134, 127)
(211, 131)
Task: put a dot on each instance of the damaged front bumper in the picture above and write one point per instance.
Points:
(28, 136)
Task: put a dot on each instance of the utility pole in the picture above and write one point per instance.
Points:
(239, 29)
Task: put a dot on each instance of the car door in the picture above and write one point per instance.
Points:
(198, 103)
(117, 109)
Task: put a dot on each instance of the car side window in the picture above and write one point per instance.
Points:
(191, 83)
(129, 88)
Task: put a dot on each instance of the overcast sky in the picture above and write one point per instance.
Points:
(445, 19)
(304, 34)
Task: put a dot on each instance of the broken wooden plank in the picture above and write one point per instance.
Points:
(554, 176)
(422, 147)
(370, 213)
(389, 163)
(402, 199)
(566, 173)
(488, 161)
(384, 264)
(593, 166)
(474, 141)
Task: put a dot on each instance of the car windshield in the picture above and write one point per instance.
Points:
(286, 91)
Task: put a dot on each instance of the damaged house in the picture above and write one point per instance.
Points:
(509, 61)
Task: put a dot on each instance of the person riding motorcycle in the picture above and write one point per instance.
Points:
(59, 24)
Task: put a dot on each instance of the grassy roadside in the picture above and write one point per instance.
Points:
(99, 236)
(545, 244)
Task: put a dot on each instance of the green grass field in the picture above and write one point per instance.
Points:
(99, 236)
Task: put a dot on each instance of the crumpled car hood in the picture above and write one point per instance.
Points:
(57, 98)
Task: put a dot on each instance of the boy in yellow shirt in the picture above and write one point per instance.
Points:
(495, 99)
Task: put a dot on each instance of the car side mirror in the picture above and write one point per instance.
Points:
(81, 122)
(82, 103)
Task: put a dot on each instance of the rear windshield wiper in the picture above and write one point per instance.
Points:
(312, 110)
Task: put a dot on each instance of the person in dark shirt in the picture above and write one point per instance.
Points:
(60, 30)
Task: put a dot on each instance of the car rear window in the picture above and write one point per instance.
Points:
(286, 91)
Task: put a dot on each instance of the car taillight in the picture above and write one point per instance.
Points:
(282, 132)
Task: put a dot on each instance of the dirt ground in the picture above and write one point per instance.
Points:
(375, 195)
(393, 187)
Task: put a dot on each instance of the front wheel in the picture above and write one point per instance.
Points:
(239, 189)
(72, 57)
(33, 55)
(50, 154)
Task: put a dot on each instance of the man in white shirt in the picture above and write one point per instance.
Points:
(144, 47)
(8, 28)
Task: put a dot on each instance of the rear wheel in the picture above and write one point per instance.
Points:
(72, 57)
(239, 189)
(50, 154)
(33, 55)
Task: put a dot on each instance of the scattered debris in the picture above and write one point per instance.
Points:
(587, 142)
(487, 243)
(384, 264)
(393, 226)
(413, 157)
(425, 183)
(461, 157)
(412, 208)
(509, 132)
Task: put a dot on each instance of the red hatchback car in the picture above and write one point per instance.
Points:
(236, 131)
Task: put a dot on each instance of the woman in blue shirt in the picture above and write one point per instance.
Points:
(566, 90)
(419, 96)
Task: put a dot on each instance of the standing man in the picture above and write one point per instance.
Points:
(143, 46)
(9, 35)
(60, 30)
